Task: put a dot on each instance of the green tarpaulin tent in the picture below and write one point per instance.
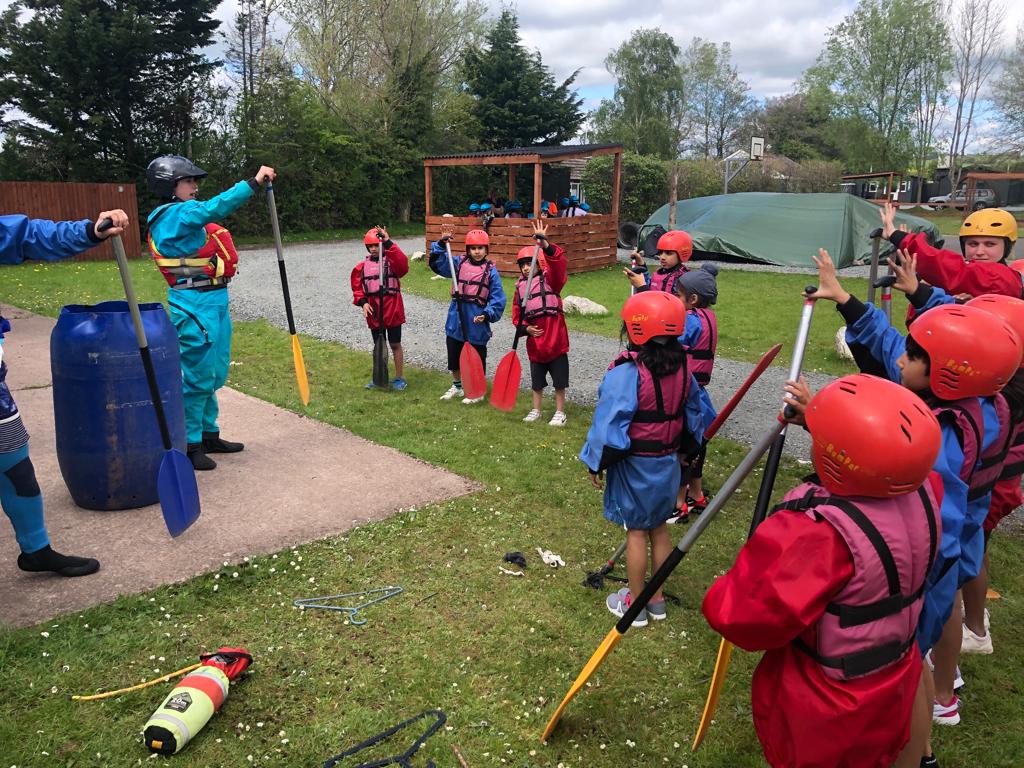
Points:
(783, 228)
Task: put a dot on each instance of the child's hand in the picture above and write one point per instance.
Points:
(828, 283)
(480, 319)
(888, 214)
(540, 231)
(447, 231)
(905, 271)
(798, 395)
(636, 280)
(367, 310)
(597, 480)
(962, 298)
(534, 330)
(265, 174)
(382, 233)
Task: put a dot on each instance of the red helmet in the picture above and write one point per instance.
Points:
(649, 314)
(1010, 308)
(526, 253)
(1018, 265)
(973, 353)
(370, 238)
(477, 237)
(677, 241)
(871, 437)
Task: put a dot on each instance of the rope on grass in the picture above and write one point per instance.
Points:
(140, 686)
(400, 759)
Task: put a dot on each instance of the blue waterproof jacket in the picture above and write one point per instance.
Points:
(23, 238)
(479, 333)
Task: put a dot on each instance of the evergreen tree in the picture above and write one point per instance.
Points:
(517, 101)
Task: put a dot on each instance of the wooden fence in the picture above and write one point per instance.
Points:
(589, 241)
(60, 201)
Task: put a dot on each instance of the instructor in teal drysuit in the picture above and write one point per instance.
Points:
(198, 304)
(23, 238)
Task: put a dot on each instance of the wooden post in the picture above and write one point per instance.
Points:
(512, 182)
(969, 195)
(428, 188)
(616, 185)
(673, 195)
(538, 177)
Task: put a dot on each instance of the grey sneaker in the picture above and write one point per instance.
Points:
(656, 610)
(618, 604)
(453, 391)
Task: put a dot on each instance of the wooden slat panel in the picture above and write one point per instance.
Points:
(59, 201)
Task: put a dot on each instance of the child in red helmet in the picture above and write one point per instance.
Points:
(830, 586)
(368, 292)
(481, 300)
(540, 312)
(956, 359)
(649, 411)
(674, 249)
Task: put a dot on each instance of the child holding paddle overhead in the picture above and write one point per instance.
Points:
(830, 585)
(478, 302)
(537, 313)
(699, 291)
(649, 410)
(368, 293)
(674, 248)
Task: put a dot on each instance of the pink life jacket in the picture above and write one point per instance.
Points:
(1014, 464)
(666, 280)
(990, 465)
(872, 622)
(474, 281)
(703, 352)
(371, 279)
(657, 426)
(541, 299)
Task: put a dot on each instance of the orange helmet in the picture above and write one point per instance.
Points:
(973, 353)
(650, 314)
(477, 237)
(1009, 308)
(871, 437)
(526, 254)
(677, 241)
(370, 238)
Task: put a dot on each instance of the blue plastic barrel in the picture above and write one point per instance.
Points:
(108, 439)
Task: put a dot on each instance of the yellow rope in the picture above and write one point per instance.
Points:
(108, 694)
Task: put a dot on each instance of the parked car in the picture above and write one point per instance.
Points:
(983, 198)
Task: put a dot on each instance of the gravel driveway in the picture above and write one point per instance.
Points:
(318, 277)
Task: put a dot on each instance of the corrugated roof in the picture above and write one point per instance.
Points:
(548, 152)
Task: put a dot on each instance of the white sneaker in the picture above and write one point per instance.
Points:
(453, 391)
(971, 643)
(946, 714)
(558, 420)
(471, 400)
(533, 415)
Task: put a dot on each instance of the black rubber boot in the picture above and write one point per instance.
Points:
(200, 461)
(46, 559)
(213, 444)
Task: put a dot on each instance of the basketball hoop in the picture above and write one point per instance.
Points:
(756, 147)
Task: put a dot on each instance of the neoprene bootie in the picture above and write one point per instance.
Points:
(46, 559)
(213, 444)
(200, 461)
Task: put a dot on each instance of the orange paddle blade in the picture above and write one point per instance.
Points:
(609, 642)
(714, 692)
(300, 370)
(505, 387)
(471, 368)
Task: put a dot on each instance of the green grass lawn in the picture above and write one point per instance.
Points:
(496, 653)
(755, 310)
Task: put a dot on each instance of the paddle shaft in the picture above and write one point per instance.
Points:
(873, 275)
(276, 227)
(140, 333)
(521, 325)
(457, 293)
(382, 275)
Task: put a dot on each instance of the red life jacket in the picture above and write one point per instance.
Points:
(872, 622)
(213, 264)
(541, 299)
(371, 279)
(990, 465)
(657, 426)
(474, 281)
(666, 280)
(1014, 464)
(702, 353)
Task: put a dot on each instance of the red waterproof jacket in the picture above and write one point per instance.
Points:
(949, 271)
(394, 307)
(554, 342)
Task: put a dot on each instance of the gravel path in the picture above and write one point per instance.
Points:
(318, 277)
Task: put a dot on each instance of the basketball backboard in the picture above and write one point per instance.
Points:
(756, 147)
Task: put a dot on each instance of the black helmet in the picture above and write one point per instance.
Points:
(167, 170)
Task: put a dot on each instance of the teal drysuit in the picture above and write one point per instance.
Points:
(200, 317)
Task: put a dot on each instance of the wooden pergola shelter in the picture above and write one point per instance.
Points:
(589, 241)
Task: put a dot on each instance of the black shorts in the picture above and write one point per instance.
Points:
(394, 334)
(455, 349)
(559, 370)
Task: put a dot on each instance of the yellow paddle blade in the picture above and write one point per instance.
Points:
(714, 692)
(300, 370)
(609, 642)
